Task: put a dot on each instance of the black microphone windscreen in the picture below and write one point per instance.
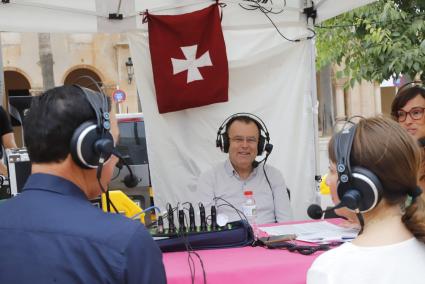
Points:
(255, 164)
(314, 211)
(131, 180)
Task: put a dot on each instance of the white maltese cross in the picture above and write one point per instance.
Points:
(191, 63)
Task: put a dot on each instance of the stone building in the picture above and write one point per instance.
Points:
(103, 57)
(366, 99)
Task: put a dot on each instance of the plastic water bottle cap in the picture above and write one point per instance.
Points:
(247, 192)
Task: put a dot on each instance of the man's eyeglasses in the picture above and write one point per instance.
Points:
(415, 113)
(241, 139)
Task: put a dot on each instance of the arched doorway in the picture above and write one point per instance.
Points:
(79, 76)
(16, 85)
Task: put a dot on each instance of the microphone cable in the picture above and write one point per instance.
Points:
(270, 185)
(239, 212)
(109, 202)
(302, 249)
(164, 217)
(145, 210)
(189, 249)
(361, 221)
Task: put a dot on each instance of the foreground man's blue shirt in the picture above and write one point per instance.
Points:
(51, 233)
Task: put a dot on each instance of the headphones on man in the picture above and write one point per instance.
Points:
(358, 188)
(92, 143)
(223, 142)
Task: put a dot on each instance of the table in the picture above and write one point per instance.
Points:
(240, 265)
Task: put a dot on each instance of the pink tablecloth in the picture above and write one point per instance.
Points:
(240, 265)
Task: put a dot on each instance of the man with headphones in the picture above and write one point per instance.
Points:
(51, 232)
(244, 136)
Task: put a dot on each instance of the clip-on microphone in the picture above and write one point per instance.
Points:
(130, 180)
(192, 225)
(203, 217)
(214, 225)
(170, 217)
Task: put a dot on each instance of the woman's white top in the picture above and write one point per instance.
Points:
(402, 263)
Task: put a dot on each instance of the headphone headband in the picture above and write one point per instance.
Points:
(100, 108)
(344, 142)
(358, 188)
(222, 139)
(247, 114)
(250, 115)
(92, 143)
(409, 85)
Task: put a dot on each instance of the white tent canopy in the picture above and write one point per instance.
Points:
(92, 15)
(269, 76)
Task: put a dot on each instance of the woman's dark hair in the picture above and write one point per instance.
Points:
(51, 121)
(405, 95)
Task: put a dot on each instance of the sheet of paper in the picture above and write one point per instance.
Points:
(319, 232)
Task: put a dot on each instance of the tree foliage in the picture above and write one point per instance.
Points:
(375, 42)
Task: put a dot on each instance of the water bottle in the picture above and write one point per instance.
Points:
(249, 208)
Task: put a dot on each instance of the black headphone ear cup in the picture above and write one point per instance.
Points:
(367, 184)
(261, 145)
(226, 142)
(83, 141)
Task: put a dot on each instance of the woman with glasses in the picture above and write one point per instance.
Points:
(408, 110)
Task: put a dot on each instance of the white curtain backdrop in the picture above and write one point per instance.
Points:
(270, 77)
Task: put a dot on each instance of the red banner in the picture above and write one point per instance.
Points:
(189, 60)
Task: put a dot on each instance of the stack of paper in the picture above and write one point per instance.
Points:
(316, 232)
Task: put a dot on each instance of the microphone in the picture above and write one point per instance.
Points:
(314, 211)
(268, 149)
(256, 163)
(130, 180)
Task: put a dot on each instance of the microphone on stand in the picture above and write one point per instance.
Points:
(130, 180)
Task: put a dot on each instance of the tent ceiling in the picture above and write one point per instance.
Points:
(92, 15)
(327, 9)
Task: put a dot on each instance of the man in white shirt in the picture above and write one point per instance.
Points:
(243, 140)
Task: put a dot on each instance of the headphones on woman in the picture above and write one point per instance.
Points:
(222, 140)
(358, 188)
(92, 143)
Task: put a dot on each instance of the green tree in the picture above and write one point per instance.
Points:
(375, 42)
